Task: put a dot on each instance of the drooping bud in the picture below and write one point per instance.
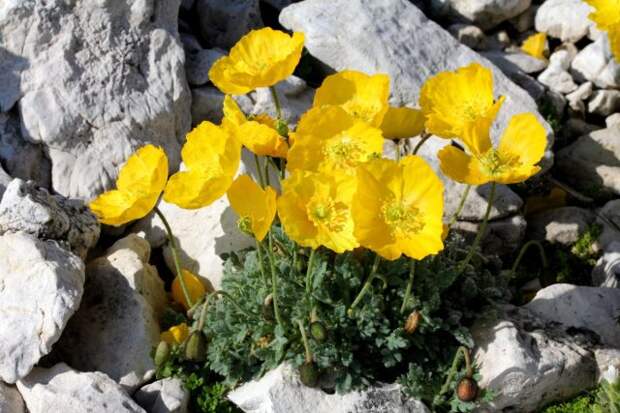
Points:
(412, 322)
(267, 310)
(162, 352)
(282, 127)
(245, 225)
(467, 389)
(318, 331)
(309, 374)
(196, 347)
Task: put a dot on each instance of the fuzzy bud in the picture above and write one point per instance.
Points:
(413, 321)
(162, 352)
(467, 389)
(267, 309)
(196, 347)
(318, 331)
(309, 374)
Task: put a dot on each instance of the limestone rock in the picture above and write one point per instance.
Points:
(557, 79)
(604, 102)
(608, 217)
(10, 400)
(24, 207)
(207, 104)
(199, 63)
(579, 95)
(562, 225)
(117, 324)
(606, 273)
(483, 13)
(396, 37)
(42, 284)
(597, 64)
(503, 236)
(613, 120)
(5, 180)
(280, 391)
(566, 20)
(223, 22)
(511, 62)
(97, 80)
(163, 396)
(470, 35)
(61, 389)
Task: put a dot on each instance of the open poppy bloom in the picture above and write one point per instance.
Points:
(175, 335)
(398, 208)
(606, 15)
(261, 58)
(453, 102)
(329, 139)
(521, 147)
(255, 206)
(211, 155)
(258, 135)
(140, 182)
(402, 123)
(195, 289)
(535, 45)
(315, 210)
(362, 96)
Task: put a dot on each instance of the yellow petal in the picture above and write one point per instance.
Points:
(525, 138)
(262, 140)
(460, 167)
(116, 208)
(535, 45)
(175, 335)
(211, 148)
(614, 40)
(363, 96)
(232, 112)
(195, 289)
(606, 13)
(402, 123)
(261, 58)
(252, 202)
(196, 189)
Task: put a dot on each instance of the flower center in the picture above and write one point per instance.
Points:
(473, 110)
(245, 225)
(496, 163)
(404, 221)
(329, 214)
(361, 111)
(345, 152)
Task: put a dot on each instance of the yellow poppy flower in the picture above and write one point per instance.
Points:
(195, 289)
(140, 182)
(328, 139)
(175, 335)
(258, 135)
(211, 155)
(363, 96)
(535, 45)
(255, 206)
(315, 210)
(606, 15)
(261, 58)
(402, 123)
(521, 147)
(453, 102)
(398, 208)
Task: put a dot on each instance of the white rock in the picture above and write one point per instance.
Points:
(606, 273)
(198, 63)
(483, 13)
(613, 120)
(566, 20)
(589, 308)
(561, 225)
(24, 207)
(5, 180)
(97, 79)
(395, 37)
(61, 389)
(520, 61)
(525, 21)
(562, 58)
(223, 22)
(608, 217)
(279, 4)
(597, 64)
(557, 79)
(10, 400)
(604, 102)
(117, 324)
(576, 128)
(280, 391)
(163, 396)
(529, 363)
(577, 97)
(593, 161)
(470, 35)
(207, 104)
(42, 284)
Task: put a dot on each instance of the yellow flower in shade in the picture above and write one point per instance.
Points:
(535, 45)
(402, 123)
(175, 335)
(315, 210)
(454, 102)
(195, 288)
(361, 95)
(261, 58)
(606, 15)
(521, 147)
(139, 184)
(398, 208)
(328, 139)
(211, 155)
(255, 206)
(258, 135)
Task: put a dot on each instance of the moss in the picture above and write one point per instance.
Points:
(582, 249)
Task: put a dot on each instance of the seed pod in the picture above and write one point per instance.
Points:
(162, 352)
(467, 389)
(309, 374)
(267, 310)
(413, 321)
(196, 347)
(318, 331)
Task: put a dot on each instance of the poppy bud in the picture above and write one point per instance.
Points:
(196, 347)
(413, 321)
(282, 127)
(162, 352)
(267, 310)
(309, 374)
(318, 331)
(467, 389)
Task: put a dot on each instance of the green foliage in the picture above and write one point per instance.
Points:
(362, 346)
(583, 247)
(608, 398)
(581, 404)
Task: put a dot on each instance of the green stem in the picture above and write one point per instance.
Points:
(304, 339)
(276, 101)
(367, 284)
(409, 286)
(261, 264)
(526, 246)
(309, 272)
(423, 138)
(481, 231)
(464, 352)
(458, 211)
(175, 257)
(274, 281)
(261, 180)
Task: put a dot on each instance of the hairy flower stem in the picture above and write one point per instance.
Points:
(367, 284)
(261, 265)
(423, 138)
(526, 246)
(481, 231)
(175, 256)
(409, 286)
(261, 179)
(458, 211)
(304, 339)
(454, 368)
(274, 281)
(276, 101)
(309, 272)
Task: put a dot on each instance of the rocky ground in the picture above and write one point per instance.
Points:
(83, 84)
